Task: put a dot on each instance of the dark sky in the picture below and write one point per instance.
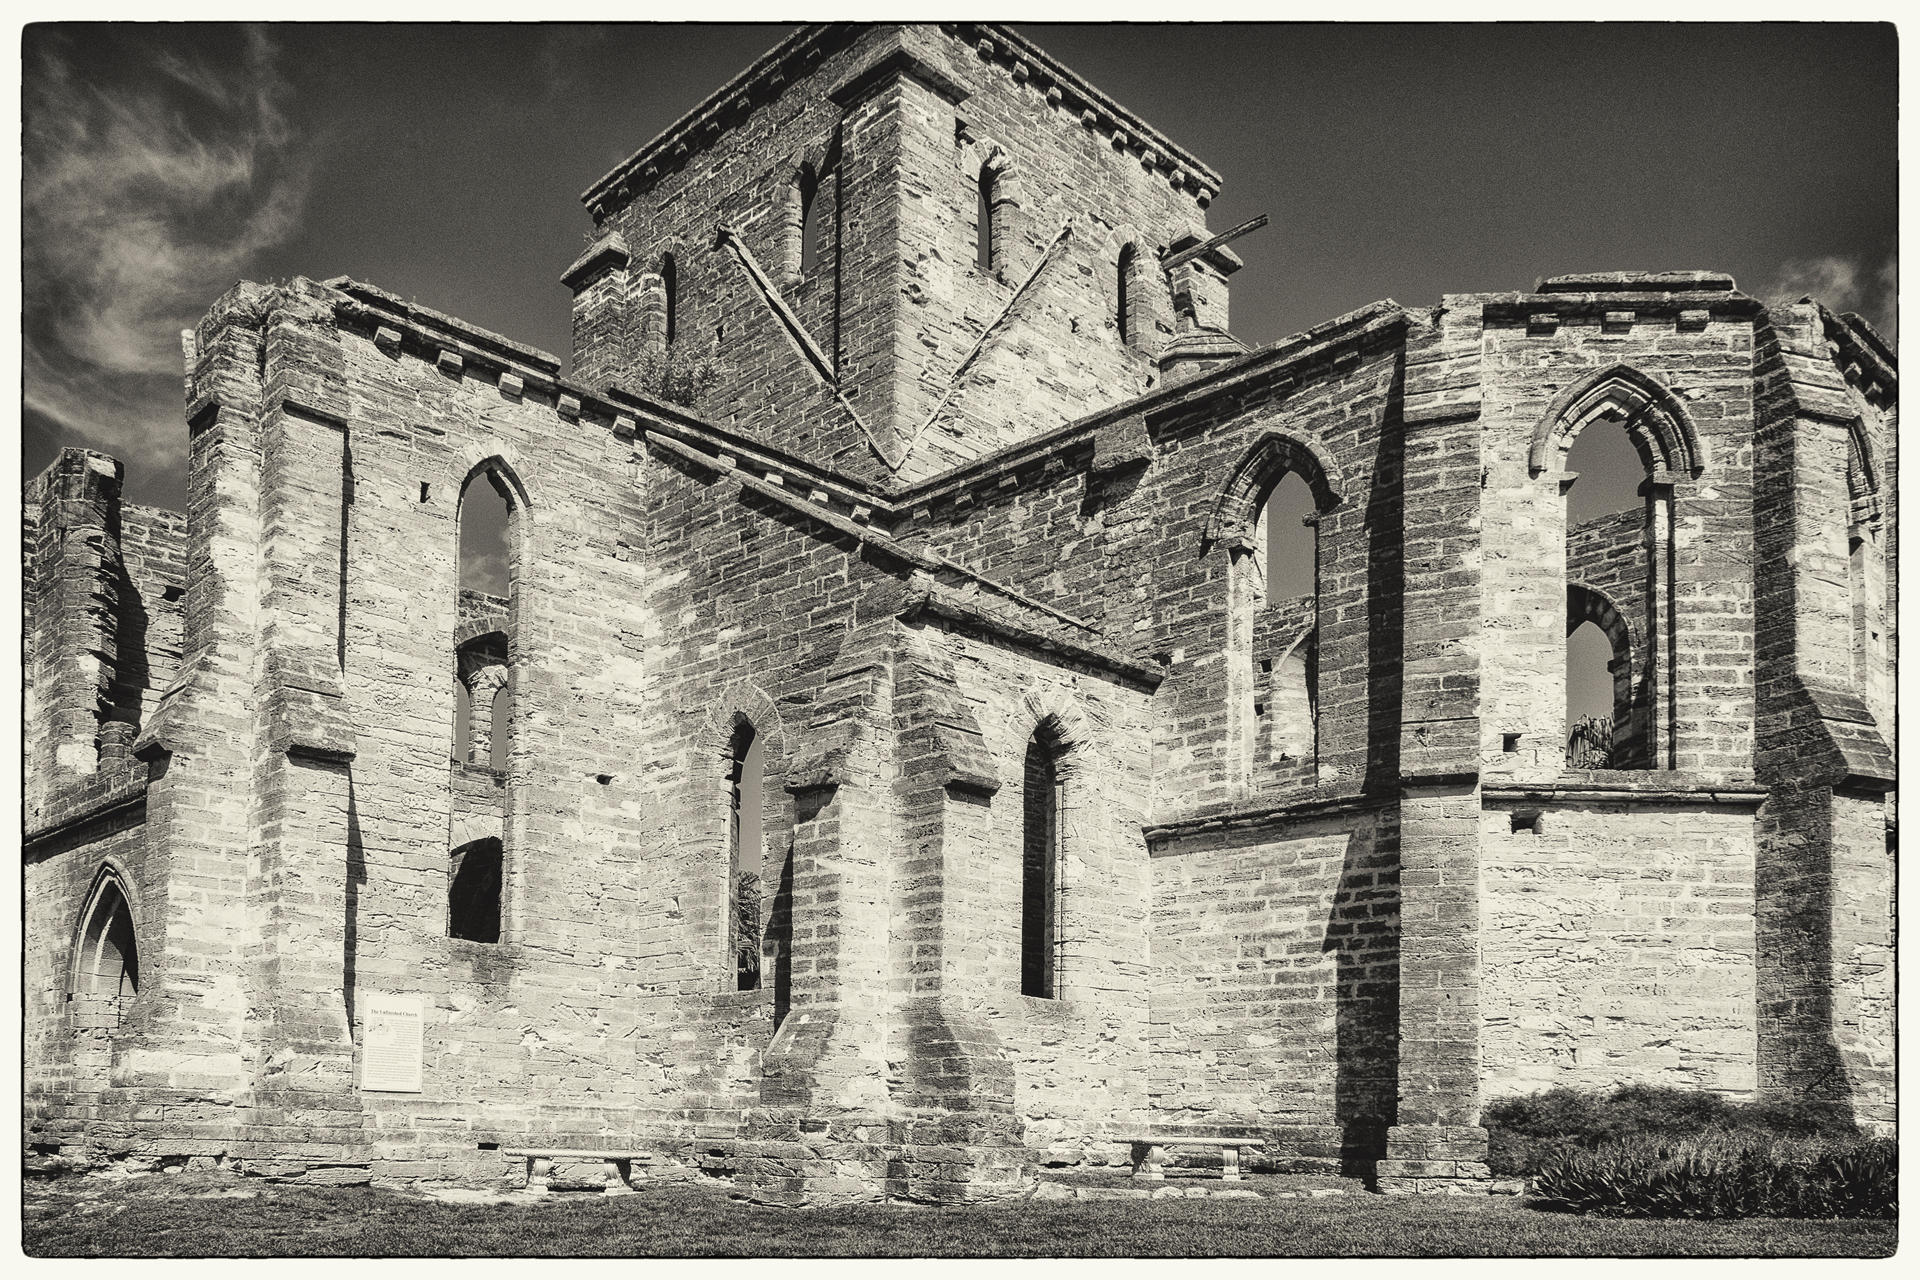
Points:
(161, 164)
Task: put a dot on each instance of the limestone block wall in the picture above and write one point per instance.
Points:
(1139, 550)
(1423, 920)
(1609, 554)
(1617, 945)
(1275, 982)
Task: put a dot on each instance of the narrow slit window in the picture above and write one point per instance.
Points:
(1285, 636)
(809, 226)
(983, 220)
(486, 605)
(670, 283)
(746, 779)
(1039, 868)
(1123, 310)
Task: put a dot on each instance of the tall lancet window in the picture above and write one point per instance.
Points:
(491, 534)
(1040, 866)
(746, 783)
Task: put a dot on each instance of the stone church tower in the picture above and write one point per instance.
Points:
(887, 769)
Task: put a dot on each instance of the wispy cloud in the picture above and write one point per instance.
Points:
(1844, 284)
(147, 189)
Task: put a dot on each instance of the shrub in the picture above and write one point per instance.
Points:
(1723, 1175)
(679, 379)
(1525, 1132)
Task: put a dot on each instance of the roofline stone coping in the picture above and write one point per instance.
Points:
(80, 808)
(1637, 282)
(810, 43)
(880, 539)
(1854, 336)
(610, 247)
(1273, 360)
(898, 60)
(1518, 307)
(1068, 79)
(426, 319)
(812, 36)
(943, 606)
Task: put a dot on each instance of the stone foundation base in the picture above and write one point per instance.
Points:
(1435, 1160)
(950, 1160)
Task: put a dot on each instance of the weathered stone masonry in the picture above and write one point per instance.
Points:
(1068, 831)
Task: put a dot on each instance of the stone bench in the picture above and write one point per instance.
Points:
(1150, 1154)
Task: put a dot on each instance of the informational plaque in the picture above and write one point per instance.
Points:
(390, 1053)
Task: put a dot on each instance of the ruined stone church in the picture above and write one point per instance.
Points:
(909, 489)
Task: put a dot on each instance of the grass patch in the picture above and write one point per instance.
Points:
(179, 1216)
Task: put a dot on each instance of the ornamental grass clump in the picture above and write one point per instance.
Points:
(1723, 1175)
(1525, 1132)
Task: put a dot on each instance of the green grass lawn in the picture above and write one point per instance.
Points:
(189, 1216)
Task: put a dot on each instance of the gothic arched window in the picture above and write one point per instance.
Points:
(1040, 865)
(1616, 443)
(492, 537)
(1269, 521)
(746, 894)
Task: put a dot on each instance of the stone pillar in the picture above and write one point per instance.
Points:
(821, 1132)
(1824, 878)
(200, 744)
(301, 1032)
(1435, 1143)
(959, 1136)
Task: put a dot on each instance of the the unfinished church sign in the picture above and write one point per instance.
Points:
(390, 1057)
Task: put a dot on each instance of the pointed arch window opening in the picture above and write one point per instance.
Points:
(1276, 635)
(1618, 513)
(1124, 301)
(1040, 858)
(491, 535)
(105, 978)
(983, 240)
(809, 224)
(670, 288)
(746, 890)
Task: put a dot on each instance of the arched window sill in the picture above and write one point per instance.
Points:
(470, 961)
(1049, 1008)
